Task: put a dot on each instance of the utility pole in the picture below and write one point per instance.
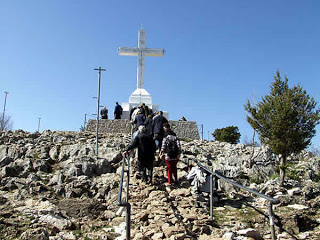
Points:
(39, 124)
(85, 120)
(98, 107)
(202, 131)
(4, 110)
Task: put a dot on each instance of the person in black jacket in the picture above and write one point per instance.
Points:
(139, 120)
(146, 149)
(104, 113)
(148, 124)
(117, 111)
(157, 128)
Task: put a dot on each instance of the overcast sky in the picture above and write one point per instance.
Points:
(218, 55)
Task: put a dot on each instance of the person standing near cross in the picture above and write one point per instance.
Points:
(117, 111)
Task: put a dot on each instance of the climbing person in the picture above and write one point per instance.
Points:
(117, 111)
(148, 124)
(141, 108)
(134, 114)
(157, 128)
(139, 119)
(146, 109)
(131, 112)
(146, 149)
(171, 148)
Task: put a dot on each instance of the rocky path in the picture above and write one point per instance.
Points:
(160, 211)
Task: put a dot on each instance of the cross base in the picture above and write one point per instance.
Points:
(139, 96)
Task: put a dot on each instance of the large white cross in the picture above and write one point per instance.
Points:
(141, 51)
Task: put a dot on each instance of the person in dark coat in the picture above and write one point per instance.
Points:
(139, 119)
(157, 128)
(146, 149)
(104, 113)
(142, 107)
(146, 109)
(117, 111)
(148, 124)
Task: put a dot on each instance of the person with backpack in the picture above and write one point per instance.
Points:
(171, 148)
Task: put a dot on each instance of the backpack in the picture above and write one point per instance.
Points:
(172, 147)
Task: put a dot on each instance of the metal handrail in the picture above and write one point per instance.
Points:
(270, 199)
(125, 203)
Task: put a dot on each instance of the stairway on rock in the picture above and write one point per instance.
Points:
(160, 211)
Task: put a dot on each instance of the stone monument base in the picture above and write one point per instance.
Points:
(183, 129)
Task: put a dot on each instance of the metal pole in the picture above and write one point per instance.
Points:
(273, 234)
(85, 121)
(98, 107)
(211, 196)
(202, 131)
(39, 124)
(128, 213)
(128, 216)
(4, 110)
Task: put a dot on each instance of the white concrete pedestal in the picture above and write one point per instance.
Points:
(139, 96)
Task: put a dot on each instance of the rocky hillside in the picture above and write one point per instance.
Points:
(53, 187)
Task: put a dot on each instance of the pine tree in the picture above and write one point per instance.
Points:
(285, 120)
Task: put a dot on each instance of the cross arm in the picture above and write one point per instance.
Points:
(154, 52)
(128, 51)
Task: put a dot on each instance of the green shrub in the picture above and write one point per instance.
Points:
(229, 134)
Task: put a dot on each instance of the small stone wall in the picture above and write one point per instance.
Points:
(187, 129)
(110, 126)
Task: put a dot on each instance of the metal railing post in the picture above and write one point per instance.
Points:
(270, 199)
(128, 216)
(211, 196)
(273, 234)
(125, 204)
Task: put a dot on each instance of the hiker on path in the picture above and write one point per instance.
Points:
(139, 119)
(171, 147)
(146, 109)
(157, 128)
(146, 149)
(148, 124)
(134, 114)
(131, 112)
